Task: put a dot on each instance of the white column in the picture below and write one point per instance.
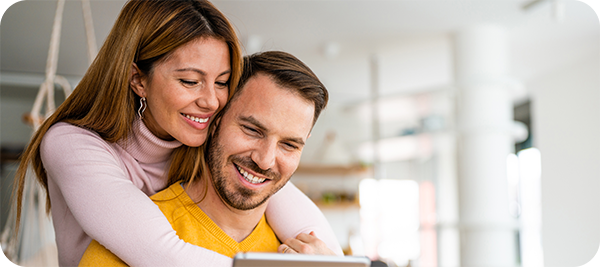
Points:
(447, 201)
(484, 116)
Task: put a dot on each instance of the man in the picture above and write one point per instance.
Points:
(254, 150)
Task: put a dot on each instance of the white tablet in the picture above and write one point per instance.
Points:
(255, 259)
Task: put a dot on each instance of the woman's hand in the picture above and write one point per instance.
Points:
(305, 244)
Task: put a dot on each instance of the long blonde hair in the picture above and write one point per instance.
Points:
(144, 33)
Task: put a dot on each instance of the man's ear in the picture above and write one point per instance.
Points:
(136, 82)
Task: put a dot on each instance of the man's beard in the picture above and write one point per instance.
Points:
(237, 197)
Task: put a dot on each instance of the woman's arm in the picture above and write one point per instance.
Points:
(109, 208)
(290, 212)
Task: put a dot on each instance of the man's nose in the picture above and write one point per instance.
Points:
(265, 155)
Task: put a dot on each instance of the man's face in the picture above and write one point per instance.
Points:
(258, 143)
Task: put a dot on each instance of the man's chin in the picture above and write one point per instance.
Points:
(245, 203)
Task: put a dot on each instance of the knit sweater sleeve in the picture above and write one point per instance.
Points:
(110, 208)
(290, 212)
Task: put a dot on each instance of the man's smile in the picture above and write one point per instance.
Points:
(249, 177)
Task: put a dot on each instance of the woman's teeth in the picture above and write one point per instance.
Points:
(199, 120)
(249, 177)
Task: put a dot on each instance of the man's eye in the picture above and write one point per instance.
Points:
(250, 130)
(290, 146)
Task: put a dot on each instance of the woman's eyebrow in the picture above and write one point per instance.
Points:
(201, 72)
(191, 69)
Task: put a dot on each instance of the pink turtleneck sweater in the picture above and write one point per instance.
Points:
(100, 190)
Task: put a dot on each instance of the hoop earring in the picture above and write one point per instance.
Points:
(142, 108)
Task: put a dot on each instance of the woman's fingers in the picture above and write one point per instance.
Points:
(306, 244)
(309, 238)
(283, 248)
(300, 246)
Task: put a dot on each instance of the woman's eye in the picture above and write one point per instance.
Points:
(222, 84)
(188, 82)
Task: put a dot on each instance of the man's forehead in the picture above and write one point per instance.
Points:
(273, 106)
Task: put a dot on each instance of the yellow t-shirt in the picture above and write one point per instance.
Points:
(193, 226)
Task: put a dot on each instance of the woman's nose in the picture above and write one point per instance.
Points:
(208, 98)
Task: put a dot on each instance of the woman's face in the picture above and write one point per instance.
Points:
(185, 90)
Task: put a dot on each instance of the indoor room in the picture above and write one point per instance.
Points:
(457, 133)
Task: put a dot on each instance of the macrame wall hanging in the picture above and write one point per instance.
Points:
(35, 245)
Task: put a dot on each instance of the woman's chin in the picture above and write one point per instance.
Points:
(193, 142)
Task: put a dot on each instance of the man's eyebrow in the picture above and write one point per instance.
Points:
(298, 141)
(257, 124)
(201, 72)
(254, 121)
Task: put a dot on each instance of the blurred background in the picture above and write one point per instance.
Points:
(458, 133)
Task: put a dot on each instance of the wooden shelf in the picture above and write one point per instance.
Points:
(338, 205)
(11, 153)
(4, 158)
(332, 169)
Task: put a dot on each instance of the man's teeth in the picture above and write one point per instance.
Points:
(199, 120)
(249, 177)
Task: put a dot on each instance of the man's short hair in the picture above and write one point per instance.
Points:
(288, 72)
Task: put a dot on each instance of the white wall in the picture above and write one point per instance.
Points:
(566, 129)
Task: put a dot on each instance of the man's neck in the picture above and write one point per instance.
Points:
(238, 224)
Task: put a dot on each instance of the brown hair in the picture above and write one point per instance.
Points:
(145, 32)
(288, 72)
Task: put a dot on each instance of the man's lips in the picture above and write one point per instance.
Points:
(251, 178)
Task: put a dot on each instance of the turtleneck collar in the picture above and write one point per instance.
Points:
(145, 147)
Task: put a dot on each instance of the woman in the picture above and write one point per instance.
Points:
(101, 153)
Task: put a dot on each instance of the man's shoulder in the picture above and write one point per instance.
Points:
(173, 201)
(168, 194)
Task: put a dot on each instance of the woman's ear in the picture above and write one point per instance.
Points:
(136, 81)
